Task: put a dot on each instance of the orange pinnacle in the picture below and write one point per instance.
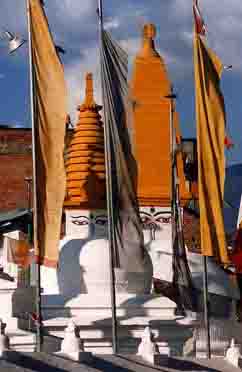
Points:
(150, 85)
(85, 165)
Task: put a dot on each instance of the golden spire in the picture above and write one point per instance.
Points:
(85, 165)
(89, 103)
(149, 86)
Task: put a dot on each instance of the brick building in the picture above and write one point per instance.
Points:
(15, 166)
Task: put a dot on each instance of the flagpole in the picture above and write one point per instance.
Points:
(39, 338)
(172, 97)
(172, 159)
(200, 29)
(109, 196)
(206, 307)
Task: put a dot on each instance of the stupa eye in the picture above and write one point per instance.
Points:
(101, 221)
(163, 219)
(80, 220)
(80, 223)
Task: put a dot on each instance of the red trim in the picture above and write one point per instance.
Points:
(198, 20)
(228, 142)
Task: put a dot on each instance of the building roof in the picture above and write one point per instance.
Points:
(12, 127)
(17, 219)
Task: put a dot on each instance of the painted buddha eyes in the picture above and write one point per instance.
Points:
(80, 220)
(83, 220)
(145, 220)
(152, 219)
(164, 219)
(100, 221)
(80, 223)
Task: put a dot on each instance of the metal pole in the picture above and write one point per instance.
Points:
(172, 169)
(28, 180)
(206, 307)
(172, 155)
(109, 196)
(39, 338)
(100, 14)
(174, 216)
(27, 272)
(171, 97)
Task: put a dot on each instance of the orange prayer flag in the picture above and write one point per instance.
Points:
(50, 119)
(210, 117)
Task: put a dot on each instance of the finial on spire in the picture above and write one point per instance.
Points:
(149, 31)
(89, 102)
(148, 47)
(89, 88)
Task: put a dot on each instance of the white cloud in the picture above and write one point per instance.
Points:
(131, 45)
(112, 23)
(75, 73)
(75, 27)
(74, 9)
(74, 24)
(73, 21)
(223, 21)
(13, 15)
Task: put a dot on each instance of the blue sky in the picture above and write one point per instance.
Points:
(74, 26)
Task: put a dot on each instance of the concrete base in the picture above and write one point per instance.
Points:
(98, 306)
(15, 304)
(92, 315)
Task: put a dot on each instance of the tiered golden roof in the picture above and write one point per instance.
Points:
(85, 165)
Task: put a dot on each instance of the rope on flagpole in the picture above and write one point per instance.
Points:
(109, 197)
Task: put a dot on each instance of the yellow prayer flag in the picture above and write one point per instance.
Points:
(50, 116)
(210, 117)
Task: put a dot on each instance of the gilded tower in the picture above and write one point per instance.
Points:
(150, 86)
(85, 165)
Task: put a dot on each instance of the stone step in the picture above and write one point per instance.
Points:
(20, 340)
(25, 341)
